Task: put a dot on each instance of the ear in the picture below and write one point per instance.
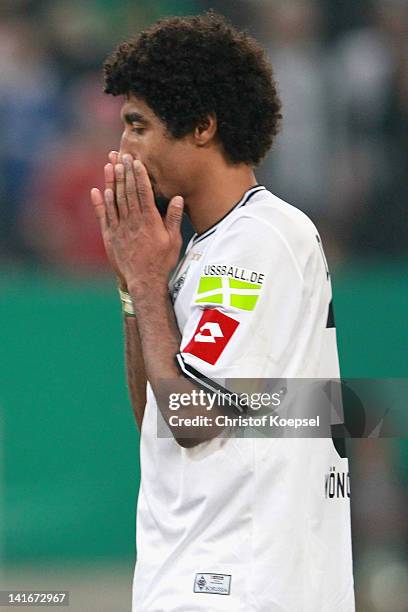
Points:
(205, 131)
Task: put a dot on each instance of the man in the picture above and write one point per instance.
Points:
(223, 523)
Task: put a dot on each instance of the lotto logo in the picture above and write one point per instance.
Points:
(214, 331)
(208, 333)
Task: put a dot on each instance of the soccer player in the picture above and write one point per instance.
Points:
(223, 523)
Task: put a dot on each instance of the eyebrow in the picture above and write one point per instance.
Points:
(133, 118)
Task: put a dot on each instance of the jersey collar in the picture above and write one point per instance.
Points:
(242, 202)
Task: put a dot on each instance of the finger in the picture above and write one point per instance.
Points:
(174, 216)
(114, 158)
(99, 207)
(109, 177)
(109, 172)
(111, 212)
(121, 199)
(145, 192)
(130, 185)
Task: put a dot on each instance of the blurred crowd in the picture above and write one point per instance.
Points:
(342, 76)
(342, 71)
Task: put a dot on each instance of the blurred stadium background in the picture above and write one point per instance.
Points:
(69, 448)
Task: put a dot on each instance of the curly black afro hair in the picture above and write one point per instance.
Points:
(186, 68)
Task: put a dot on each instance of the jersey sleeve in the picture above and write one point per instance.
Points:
(247, 307)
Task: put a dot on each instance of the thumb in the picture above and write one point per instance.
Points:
(174, 216)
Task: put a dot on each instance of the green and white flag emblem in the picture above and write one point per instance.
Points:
(228, 292)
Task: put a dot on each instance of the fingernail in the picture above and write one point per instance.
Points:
(127, 161)
(137, 165)
(119, 170)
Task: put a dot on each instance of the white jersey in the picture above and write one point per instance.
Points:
(247, 524)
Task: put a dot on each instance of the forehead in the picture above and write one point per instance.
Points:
(133, 104)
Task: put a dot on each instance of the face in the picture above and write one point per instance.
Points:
(169, 161)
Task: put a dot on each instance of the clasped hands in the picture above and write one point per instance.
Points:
(142, 247)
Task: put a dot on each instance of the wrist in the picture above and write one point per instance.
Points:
(122, 285)
(148, 295)
(149, 289)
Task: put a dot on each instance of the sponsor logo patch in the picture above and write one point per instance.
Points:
(213, 332)
(217, 584)
(241, 274)
(229, 286)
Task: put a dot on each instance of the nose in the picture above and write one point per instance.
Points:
(123, 148)
(126, 148)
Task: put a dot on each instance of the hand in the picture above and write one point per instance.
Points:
(98, 203)
(143, 247)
